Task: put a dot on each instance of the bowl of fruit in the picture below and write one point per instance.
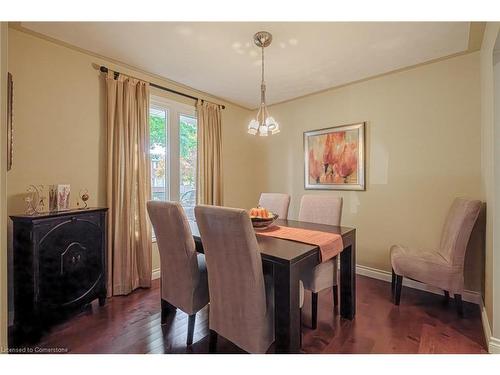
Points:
(262, 217)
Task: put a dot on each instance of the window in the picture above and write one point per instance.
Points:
(158, 119)
(188, 140)
(173, 150)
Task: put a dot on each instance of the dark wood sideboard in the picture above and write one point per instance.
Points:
(59, 263)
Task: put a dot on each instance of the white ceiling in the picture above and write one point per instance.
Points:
(221, 59)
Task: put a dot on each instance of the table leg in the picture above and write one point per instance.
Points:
(348, 282)
(286, 308)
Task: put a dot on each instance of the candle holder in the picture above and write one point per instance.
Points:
(84, 196)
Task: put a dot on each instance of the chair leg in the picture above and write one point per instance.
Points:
(397, 289)
(459, 305)
(191, 322)
(335, 296)
(446, 297)
(393, 283)
(314, 310)
(166, 308)
(212, 342)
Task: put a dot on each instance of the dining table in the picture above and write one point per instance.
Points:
(285, 261)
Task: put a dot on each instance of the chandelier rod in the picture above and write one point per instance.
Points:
(262, 84)
(262, 63)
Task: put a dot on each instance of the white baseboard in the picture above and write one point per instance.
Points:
(492, 342)
(494, 345)
(486, 323)
(468, 295)
(156, 274)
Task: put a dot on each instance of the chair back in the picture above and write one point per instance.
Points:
(457, 229)
(178, 257)
(277, 203)
(321, 209)
(238, 305)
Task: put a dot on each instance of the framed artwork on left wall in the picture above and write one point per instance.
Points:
(10, 98)
(335, 158)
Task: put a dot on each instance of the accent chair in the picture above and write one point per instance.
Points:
(443, 267)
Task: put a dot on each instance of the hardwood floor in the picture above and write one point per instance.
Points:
(421, 324)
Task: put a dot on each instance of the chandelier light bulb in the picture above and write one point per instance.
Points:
(263, 131)
(253, 126)
(271, 123)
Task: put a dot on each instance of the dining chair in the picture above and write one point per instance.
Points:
(241, 298)
(443, 267)
(321, 209)
(184, 280)
(277, 203)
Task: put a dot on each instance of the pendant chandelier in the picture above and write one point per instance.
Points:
(263, 123)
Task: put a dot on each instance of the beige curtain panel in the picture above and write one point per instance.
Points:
(128, 184)
(209, 176)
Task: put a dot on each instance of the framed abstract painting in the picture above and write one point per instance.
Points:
(335, 158)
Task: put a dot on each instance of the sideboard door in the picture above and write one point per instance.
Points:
(71, 263)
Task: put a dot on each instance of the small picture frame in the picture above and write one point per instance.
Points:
(59, 197)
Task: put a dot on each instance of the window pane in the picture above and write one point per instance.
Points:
(188, 145)
(158, 153)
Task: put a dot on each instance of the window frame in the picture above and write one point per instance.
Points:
(167, 148)
(179, 153)
(172, 132)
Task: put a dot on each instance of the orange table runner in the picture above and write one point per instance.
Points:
(330, 244)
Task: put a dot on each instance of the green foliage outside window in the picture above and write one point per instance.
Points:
(188, 149)
(187, 143)
(157, 131)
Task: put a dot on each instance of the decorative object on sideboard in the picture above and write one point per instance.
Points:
(35, 200)
(59, 197)
(334, 158)
(84, 196)
(10, 115)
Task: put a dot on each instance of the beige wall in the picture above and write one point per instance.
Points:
(494, 259)
(60, 129)
(3, 190)
(423, 150)
(490, 175)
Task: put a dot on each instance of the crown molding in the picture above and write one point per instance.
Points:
(152, 77)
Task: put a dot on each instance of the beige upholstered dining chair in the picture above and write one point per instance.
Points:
(277, 203)
(443, 267)
(184, 282)
(241, 298)
(321, 209)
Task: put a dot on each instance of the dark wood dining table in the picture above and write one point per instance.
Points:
(285, 260)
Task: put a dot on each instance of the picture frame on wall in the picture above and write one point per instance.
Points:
(334, 158)
(10, 114)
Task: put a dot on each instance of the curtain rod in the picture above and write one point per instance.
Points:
(105, 70)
